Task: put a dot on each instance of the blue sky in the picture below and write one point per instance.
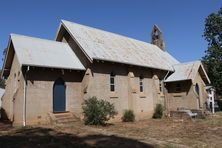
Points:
(182, 22)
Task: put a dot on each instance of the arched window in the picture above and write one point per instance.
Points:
(197, 89)
(112, 81)
(141, 84)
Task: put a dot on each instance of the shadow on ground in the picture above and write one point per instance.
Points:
(5, 125)
(44, 137)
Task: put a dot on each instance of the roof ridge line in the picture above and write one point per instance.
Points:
(37, 38)
(189, 62)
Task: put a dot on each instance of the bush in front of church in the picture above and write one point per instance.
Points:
(97, 112)
(158, 113)
(128, 116)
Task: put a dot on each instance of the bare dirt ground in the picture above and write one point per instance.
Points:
(166, 133)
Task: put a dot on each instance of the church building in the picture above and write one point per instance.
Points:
(46, 78)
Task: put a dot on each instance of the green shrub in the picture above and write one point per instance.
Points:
(97, 112)
(158, 111)
(128, 116)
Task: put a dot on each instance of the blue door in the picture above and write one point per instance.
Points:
(59, 96)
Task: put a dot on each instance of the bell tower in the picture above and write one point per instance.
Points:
(157, 38)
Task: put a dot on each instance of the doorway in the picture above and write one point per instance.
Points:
(59, 96)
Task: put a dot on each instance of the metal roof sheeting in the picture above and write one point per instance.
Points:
(44, 53)
(186, 71)
(102, 45)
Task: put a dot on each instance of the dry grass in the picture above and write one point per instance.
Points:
(165, 133)
(174, 133)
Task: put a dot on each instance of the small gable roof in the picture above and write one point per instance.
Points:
(188, 71)
(102, 45)
(32, 51)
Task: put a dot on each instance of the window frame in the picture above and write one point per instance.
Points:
(197, 89)
(141, 84)
(112, 82)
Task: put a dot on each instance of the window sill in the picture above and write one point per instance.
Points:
(142, 95)
(113, 95)
(178, 94)
(134, 91)
(160, 93)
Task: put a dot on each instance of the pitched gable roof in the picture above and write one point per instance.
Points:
(44, 53)
(102, 45)
(188, 71)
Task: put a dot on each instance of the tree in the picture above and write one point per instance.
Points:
(213, 55)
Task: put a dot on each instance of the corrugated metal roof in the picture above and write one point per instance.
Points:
(44, 53)
(102, 45)
(186, 71)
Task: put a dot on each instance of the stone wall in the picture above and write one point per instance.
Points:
(40, 83)
(127, 94)
(12, 100)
